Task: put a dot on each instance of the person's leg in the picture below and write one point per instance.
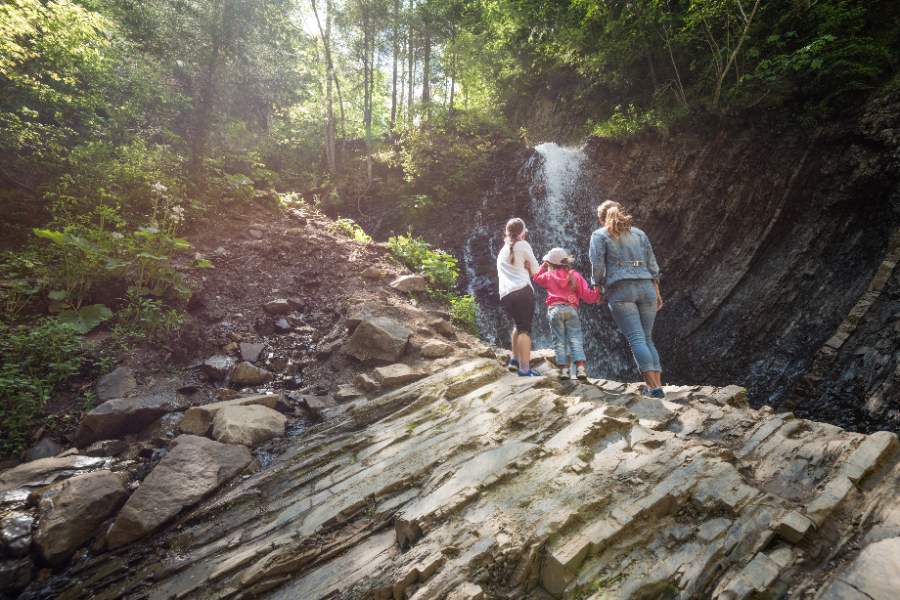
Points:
(628, 319)
(647, 310)
(523, 351)
(556, 317)
(513, 346)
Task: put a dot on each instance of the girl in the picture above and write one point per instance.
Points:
(622, 260)
(515, 265)
(565, 288)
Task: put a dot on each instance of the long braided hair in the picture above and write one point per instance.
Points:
(514, 228)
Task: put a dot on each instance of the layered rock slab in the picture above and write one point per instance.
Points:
(192, 469)
(475, 483)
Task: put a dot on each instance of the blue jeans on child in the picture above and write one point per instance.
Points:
(568, 339)
(633, 306)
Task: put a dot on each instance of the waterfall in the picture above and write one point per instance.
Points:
(558, 211)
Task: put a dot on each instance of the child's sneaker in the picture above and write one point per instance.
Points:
(529, 373)
(564, 373)
(658, 393)
(581, 373)
(513, 365)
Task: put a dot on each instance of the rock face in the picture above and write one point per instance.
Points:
(72, 511)
(198, 419)
(120, 416)
(249, 374)
(476, 483)
(247, 425)
(192, 469)
(378, 339)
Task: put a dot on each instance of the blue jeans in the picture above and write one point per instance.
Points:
(633, 306)
(568, 339)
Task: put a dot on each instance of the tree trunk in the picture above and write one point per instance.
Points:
(368, 76)
(394, 70)
(330, 151)
(411, 59)
(426, 71)
(452, 70)
(748, 21)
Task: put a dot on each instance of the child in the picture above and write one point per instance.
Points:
(565, 288)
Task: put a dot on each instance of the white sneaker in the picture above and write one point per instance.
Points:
(564, 373)
(581, 373)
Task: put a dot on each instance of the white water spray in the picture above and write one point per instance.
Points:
(553, 196)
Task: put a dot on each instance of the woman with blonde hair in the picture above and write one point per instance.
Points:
(515, 266)
(622, 261)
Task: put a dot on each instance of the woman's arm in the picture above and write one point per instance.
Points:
(597, 254)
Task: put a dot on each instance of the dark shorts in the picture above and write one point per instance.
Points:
(519, 305)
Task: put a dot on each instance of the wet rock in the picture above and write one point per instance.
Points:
(409, 284)
(436, 349)
(378, 339)
(248, 425)
(218, 366)
(346, 392)
(106, 448)
(118, 383)
(15, 534)
(280, 306)
(397, 374)
(313, 406)
(188, 473)
(115, 418)
(45, 448)
(198, 419)
(248, 374)
(71, 512)
(15, 574)
(282, 326)
(250, 351)
(46, 471)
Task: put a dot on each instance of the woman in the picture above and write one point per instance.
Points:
(622, 261)
(515, 265)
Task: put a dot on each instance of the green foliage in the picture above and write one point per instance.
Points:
(145, 320)
(351, 229)
(439, 267)
(36, 361)
(627, 122)
(86, 318)
(463, 312)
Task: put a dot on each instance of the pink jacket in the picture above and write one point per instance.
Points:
(558, 290)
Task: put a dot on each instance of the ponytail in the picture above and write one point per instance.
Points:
(617, 222)
(514, 228)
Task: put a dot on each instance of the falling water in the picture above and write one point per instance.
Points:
(561, 202)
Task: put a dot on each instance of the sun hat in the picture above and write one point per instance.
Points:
(558, 256)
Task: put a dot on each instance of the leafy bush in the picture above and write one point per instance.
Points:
(440, 268)
(462, 312)
(144, 319)
(352, 229)
(627, 122)
(36, 360)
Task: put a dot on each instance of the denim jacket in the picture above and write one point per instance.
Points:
(629, 257)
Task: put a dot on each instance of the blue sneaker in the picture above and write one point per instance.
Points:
(529, 373)
(658, 393)
(513, 365)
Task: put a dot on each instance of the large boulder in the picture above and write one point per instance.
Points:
(409, 284)
(46, 471)
(15, 534)
(378, 339)
(436, 349)
(192, 469)
(247, 425)
(115, 418)
(198, 419)
(249, 374)
(118, 383)
(72, 511)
